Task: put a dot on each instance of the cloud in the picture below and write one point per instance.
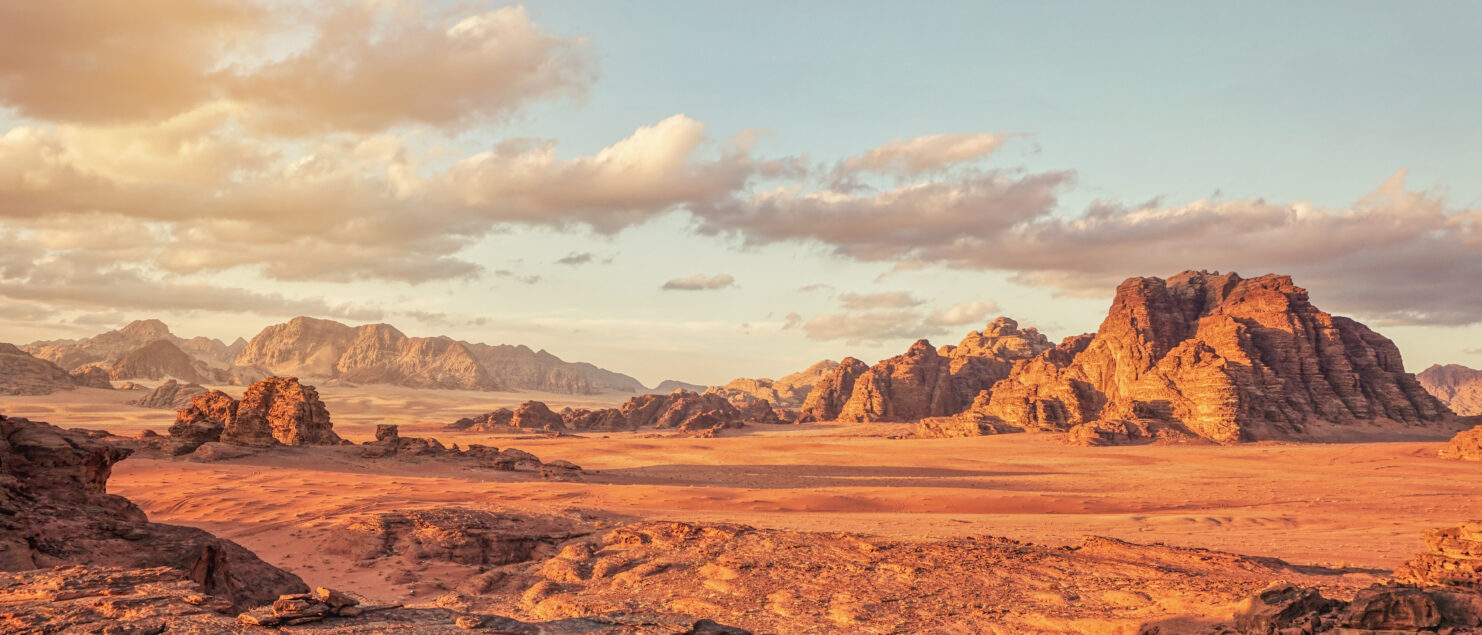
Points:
(911, 157)
(865, 326)
(526, 279)
(700, 282)
(793, 320)
(960, 314)
(883, 300)
(358, 66)
(896, 224)
(889, 316)
(76, 284)
(377, 65)
(575, 258)
(107, 62)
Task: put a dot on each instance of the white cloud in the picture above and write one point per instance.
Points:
(700, 282)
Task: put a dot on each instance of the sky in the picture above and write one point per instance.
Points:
(703, 191)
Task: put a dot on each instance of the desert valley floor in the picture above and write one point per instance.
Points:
(1359, 507)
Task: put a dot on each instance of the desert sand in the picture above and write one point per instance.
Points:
(1358, 506)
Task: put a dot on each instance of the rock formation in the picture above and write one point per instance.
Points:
(487, 422)
(23, 374)
(272, 411)
(92, 377)
(381, 354)
(535, 415)
(788, 392)
(828, 395)
(1457, 386)
(161, 359)
(683, 410)
(170, 395)
(56, 512)
(1466, 445)
(924, 382)
(1453, 558)
(1223, 358)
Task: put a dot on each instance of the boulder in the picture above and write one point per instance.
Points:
(1466, 446)
(1453, 558)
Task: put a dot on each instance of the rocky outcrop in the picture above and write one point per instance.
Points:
(535, 415)
(683, 410)
(927, 383)
(1227, 359)
(827, 397)
(1453, 558)
(23, 374)
(92, 377)
(170, 395)
(601, 419)
(1457, 386)
(57, 512)
(907, 387)
(1466, 445)
(487, 422)
(791, 391)
(272, 411)
(161, 359)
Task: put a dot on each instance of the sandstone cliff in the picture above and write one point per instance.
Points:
(1457, 386)
(927, 382)
(1224, 358)
(828, 395)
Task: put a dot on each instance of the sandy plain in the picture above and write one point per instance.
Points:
(1358, 506)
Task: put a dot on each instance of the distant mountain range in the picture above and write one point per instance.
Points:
(328, 351)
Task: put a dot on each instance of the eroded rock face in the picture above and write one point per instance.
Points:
(1466, 445)
(683, 410)
(907, 387)
(1226, 358)
(274, 410)
(826, 399)
(602, 419)
(23, 374)
(1457, 386)
(1453, 558)
(170, 395)
(535, 415)
(57, 512)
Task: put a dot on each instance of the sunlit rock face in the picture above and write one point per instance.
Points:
(1226, 358)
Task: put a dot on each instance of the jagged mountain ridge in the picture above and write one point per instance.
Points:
(325, 350)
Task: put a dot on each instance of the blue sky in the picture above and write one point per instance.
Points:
(1195, 114)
